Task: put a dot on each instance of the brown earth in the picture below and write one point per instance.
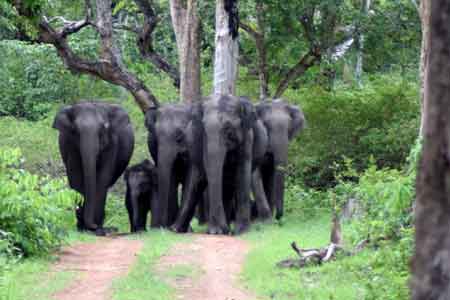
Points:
(98, 265)
(219, 259)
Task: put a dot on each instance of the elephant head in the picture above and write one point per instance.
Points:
(283, 122)
(96, 142)
(141, 181)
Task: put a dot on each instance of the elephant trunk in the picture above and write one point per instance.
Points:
(160, 206)
(280, 154)
(215, 159)
(89, 148)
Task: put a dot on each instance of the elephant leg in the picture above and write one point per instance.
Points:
(189, 202)
(173, 200)
(262, 205)
(243, 184)
(267, 179)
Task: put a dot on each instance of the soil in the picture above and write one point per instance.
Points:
(219, 259)
(98, 264)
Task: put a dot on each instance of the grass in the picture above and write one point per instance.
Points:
(271, 244)
(34, 277)
(142, 282)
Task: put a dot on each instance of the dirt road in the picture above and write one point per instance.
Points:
(219, 259)
(99, 264)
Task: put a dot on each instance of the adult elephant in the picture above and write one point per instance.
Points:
(228, 123)
(175, 142)
(96, 141)
(283, 122)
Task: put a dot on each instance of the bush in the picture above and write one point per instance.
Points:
(35, 212)
(33, 79)
(379, 120)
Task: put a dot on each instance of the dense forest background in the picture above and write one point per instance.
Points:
(352, 66)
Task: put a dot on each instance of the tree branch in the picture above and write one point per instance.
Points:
(145, 42)
(109, 67)
(247, 28)
(307, 61)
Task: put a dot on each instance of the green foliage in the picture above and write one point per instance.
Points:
(32, 79)
(35, 212)
(379, 120)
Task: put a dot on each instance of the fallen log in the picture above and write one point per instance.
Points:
(310, 257)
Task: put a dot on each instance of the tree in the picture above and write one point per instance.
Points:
(365, 5)
(431, 263)
(227, 48)
(424, 12)
(108, 65)
(186, 24)
(310, 29)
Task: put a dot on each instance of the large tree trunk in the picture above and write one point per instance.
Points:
(227, 48)
(431, 263)
(425, 20)
(186, 24)
(360, 43)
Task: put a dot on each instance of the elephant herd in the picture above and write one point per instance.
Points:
(222, 160)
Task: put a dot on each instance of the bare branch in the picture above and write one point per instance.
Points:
(247, 28)
(145, 41)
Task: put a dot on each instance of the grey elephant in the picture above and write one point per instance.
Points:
(282, 122)
(175, 143)
(229, 139)
(96, 142)
(142, 183)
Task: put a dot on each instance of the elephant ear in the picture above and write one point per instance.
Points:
(247, 113)
(64, 119)
(298, 121)
(150, 118)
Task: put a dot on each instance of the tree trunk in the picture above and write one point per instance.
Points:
(431, 263)
(360, 43)
(227, 51)
(425, 20)
(186, 24)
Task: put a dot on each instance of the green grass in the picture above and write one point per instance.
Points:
(142, 282)
(271, 244)
(34, 277)
(31, 279)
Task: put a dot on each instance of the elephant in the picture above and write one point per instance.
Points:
(96, 141)
(175, 143)
(228, 123)
(141, 182)
(282, 122)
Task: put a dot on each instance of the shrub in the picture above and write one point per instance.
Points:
(379, 120)
(35, 212)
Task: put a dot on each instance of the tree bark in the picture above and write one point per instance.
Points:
(227, 50)
(425, 20)
(186, 25)
(431, 263)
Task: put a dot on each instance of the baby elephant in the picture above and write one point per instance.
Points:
(141, 180)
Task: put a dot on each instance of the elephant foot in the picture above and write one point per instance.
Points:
(138, 230)
(178, 228)
(241, 228)
(217, 229)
